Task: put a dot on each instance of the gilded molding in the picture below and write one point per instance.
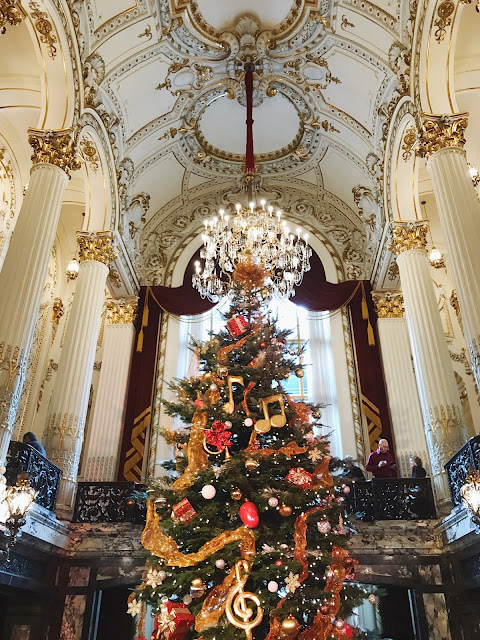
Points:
(44, 27)
(57, 311)
(444, 20)
(96, 246)
(122, 311)
(409, 142)
(441, 131)
(388, 304)
(10, 13)
(407, 236)
(89, 154)
(54, 147)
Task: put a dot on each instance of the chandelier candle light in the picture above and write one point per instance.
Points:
(254, 240)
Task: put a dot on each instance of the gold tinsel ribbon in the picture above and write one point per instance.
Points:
(196, 455)
(214, 604)
(154, 540)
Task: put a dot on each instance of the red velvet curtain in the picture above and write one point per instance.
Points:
(315, 294)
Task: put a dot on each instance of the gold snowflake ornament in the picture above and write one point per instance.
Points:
(315, 455)
(134, 608)
(292, 582)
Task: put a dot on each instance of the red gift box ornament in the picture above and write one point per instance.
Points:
(236, 326)
(183, 511)
(173, 621)
(300, 477)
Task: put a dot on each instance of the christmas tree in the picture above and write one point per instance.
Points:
(249, 539)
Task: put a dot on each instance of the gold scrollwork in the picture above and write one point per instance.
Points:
(96, 246)
(121, 311)
(388, 304)
(408, 236)
(441, 131)
(44, 28)
(346, 23)
(10, 13)
(444, 11)
(54, 147)
(409, 142)
(90, 154)
(57, 311)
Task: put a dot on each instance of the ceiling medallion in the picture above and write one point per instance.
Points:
(253, 249)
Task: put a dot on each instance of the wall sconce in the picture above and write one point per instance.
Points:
(470, 493)
(72, 269)
(15, 503)
(436, 258)
(475, 176)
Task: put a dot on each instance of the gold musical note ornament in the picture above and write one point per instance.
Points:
(279, 420)
(229, 407)
(236, 608)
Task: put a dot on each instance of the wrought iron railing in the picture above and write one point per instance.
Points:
(44, 475)
(468, 457)
(393, 499)
(110, 502)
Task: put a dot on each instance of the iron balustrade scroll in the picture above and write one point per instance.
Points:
(110, 502)
(393, 499)
(43, 474)
(468, 457)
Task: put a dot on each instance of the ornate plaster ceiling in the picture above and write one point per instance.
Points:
(166, 76)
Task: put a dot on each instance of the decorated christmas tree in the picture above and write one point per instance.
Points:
(248, 536)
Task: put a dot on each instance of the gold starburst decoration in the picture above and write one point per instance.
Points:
(315, 455)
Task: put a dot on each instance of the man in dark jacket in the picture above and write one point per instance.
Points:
(381, 463)
(31, 439)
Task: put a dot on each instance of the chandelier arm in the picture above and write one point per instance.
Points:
(249, 155)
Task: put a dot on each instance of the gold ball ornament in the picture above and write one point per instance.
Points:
(285, 510)
(197, 588)
(236, 494)
(251, 464)
(207, 375)
(290, 627)
(222, 371)
(299, 372)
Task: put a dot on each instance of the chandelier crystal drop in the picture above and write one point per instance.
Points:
(257, 236)
(251, 247)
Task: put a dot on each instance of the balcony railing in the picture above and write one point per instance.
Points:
(393, 499)
(468, 457)
(44, 475)
(110, 502)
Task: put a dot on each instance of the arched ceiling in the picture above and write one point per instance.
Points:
(166, 76)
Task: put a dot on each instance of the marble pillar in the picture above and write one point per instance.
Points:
(442, 411)
(403, 401)
(105, 431)
(441, 141)
(69, 402)
(25, 268)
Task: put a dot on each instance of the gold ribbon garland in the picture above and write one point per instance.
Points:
(196, 455)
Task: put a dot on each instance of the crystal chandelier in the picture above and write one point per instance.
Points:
(254, 240)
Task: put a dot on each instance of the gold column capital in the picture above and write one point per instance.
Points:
(441, 131)
(407, 236)
(122, 310)
(10, 13)
(388, 304)
(54, 147)
(97, 246)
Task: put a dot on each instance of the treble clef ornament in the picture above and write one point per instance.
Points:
(238, 612)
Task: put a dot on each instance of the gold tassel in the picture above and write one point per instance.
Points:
(371, 337)
(140, 341)
(145, 313)
(364, 305)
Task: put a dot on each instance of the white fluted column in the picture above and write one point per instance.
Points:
(25, 268)
(69, 402)
(107, 421)
(459, 210)
(443, 418)
(403, 401)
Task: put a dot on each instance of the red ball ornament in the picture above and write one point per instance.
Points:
(263, 344)
(278, 563)
(347, 631)
(249, 515)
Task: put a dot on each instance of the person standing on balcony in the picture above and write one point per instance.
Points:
(418, 470)
(31, 439)
(381, 462)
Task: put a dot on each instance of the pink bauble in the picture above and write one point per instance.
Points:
(220, 563)
(249, 515)
(228, 423)
(272, 586)
(248, 422)
(273, 501)
(209, 491)
(324, 526)
(346, 489)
